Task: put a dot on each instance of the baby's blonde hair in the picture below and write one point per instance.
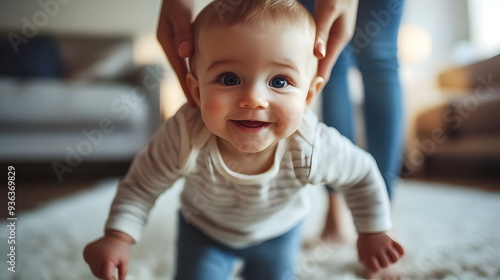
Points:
(253, 13)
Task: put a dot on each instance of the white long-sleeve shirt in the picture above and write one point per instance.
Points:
(241, 210)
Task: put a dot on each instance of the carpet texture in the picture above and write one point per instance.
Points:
(449, 232)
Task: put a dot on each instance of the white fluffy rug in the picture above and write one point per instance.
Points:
(449, 232)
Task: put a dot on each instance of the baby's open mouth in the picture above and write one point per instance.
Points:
(252, 124)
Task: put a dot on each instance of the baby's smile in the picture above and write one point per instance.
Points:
(251, 125)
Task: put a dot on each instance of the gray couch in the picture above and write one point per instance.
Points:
(102, 109)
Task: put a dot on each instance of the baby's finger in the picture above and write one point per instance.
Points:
(398, 248)
(122, 271)
(383, 260)
(95, 268)
(393, 255)
(108, 271)
(372, 264)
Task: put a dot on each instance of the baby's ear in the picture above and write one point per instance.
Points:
(194, 88)
(314, 89)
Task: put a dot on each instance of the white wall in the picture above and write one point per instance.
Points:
(446, 21)
(485, 21)
(101, 17)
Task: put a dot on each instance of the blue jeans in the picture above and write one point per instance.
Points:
(373, 50)
(200, 257)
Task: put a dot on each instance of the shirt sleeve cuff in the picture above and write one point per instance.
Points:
(125, 227)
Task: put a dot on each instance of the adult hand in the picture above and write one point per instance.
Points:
(377, 250)
(174, 35)
(335, 24)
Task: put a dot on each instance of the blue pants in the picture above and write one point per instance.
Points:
(373, 50)
(200, 257)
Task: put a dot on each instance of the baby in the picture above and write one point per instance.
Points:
(246, 151)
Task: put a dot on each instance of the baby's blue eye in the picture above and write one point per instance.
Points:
(229, 80)
(278, 82)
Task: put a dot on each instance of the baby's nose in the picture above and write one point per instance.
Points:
(254, 98)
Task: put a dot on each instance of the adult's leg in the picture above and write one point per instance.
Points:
(337, 112)
(275, 259)
(337, 105)
(201, 258)
(377, 57)
(378, 21)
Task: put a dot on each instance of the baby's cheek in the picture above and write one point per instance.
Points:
(212, 111)
(293, 110)
(212, 105)
(292, 113)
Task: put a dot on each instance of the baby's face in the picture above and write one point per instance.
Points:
(253, 84)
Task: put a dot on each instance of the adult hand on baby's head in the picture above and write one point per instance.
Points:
(174, 35)
(107, 254)
(335, 24)
(378, 250)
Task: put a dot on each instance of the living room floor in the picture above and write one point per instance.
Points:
(36, 184)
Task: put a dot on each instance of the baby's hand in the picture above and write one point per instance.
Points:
(378, 250)
(107, 254)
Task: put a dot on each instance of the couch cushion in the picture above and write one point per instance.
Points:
(47, 120)
(470, 77)
(462, 117)
(52, 105)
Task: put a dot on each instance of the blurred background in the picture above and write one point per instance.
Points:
(83, 84)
